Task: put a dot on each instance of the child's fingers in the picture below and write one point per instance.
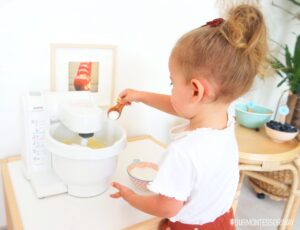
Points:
(125, 97)
(115, 195)
(117, 185)
(123, 94)
(122, 101)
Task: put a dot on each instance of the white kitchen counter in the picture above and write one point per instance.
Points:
(64, 212)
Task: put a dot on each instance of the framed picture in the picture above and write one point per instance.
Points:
(79, 67)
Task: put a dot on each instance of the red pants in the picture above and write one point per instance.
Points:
(224, 222)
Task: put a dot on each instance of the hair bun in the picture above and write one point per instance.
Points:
(245, 29)
(242, 26)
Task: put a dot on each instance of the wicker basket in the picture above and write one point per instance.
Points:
(284, 176)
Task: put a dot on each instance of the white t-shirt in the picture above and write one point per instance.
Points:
(201, 169)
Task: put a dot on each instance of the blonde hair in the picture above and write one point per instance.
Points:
(229, 55)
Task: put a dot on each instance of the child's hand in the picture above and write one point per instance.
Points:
(129, 95)
(123, 191)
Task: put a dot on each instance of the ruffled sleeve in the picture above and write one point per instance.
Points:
(175, 176)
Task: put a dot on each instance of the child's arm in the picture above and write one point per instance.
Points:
(156, 205)
(158, 101)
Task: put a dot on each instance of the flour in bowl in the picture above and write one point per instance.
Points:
(146, 174)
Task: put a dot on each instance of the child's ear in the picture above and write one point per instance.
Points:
(198, 90)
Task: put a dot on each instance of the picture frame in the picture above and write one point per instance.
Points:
(84, 67)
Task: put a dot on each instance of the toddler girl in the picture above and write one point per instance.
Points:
(210, 67)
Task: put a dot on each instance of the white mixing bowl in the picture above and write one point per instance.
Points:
(85, 171)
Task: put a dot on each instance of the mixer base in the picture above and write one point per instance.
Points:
(87, 191)
(46, 183)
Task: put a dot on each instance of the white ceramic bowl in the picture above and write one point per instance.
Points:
(87, 172)
(280, 136)
(141, 173)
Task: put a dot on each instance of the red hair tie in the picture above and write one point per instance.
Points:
(214, 22)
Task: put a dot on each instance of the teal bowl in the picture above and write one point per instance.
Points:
(254, 119)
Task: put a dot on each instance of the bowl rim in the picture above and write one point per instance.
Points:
(141, 163)
(278, 131)
(75, 152)
(259, 114)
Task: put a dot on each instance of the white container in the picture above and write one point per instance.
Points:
(147, 174)
(85, 171)
(280, 136)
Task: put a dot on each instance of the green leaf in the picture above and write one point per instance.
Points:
(276, 64)
(295, 2)
(294, 82)
(297, 73)
(296, 58)
(296, 77)
(285, 70)
(279, 73)
(290, 72)
(283, 80)
(288, 57)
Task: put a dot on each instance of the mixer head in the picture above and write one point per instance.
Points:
(82, 117)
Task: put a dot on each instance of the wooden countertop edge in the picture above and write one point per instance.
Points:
(144, 137)
(14, 221)
(256, 158)
(152, 224)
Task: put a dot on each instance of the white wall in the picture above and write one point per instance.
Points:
(144, 32)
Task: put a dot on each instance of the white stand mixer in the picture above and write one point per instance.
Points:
(70, 146)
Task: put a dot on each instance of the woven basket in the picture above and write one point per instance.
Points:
(284, 176)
